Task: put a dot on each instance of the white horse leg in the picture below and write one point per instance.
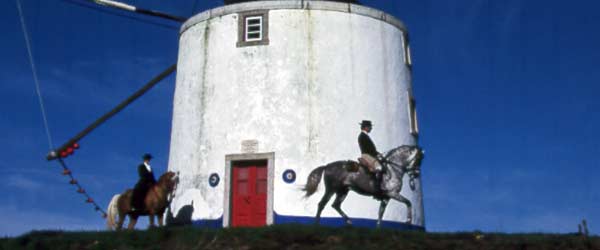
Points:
(402, 199)
(382, 207)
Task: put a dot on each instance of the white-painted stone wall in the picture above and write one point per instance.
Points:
(301, 97)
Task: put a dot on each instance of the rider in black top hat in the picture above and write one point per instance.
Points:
(369, 151)
(143, 185)
(364, 141)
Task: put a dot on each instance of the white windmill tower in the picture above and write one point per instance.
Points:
(268, 90)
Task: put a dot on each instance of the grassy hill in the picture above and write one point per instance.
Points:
(292, 237)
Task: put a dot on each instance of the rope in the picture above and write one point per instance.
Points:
(66, 170)
(35, 78)
(80, 189)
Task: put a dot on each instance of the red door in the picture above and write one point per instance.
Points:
(249, 194)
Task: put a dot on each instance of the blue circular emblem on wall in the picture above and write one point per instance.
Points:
(289, 176)
(213, 180)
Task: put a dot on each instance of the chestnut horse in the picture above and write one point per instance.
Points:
(156, 202)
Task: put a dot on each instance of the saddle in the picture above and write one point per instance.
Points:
(366, 164)
(379, 195)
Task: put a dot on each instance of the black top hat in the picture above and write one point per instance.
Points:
(147, 156)
(366, 123)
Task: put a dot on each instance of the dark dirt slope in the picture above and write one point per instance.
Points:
(292, 237)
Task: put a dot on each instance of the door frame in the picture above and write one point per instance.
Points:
(229, 162)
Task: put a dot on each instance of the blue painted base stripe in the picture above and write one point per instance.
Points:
(207, 223)
(325, 221)
(339, 222)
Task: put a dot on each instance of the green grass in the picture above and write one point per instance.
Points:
(292, 236)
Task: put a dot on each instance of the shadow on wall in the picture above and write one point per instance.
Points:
(184, 216)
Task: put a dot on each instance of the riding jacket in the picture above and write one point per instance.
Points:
(146, 174)
(142, 186)
(366, 145)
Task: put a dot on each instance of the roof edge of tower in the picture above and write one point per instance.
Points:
(293, 4)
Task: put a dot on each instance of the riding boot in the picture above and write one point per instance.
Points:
(137, 200)
(134, 203)
(378, 182)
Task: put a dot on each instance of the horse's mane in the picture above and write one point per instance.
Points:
(392, 151)
(164, 178)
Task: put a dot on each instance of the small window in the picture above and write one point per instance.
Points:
(253, 28)
(412, 115)
(407, 59)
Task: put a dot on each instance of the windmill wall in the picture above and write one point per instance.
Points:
(293, 100)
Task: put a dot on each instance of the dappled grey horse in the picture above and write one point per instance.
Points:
(343, 176)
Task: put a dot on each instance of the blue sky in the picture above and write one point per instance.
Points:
(507, 96)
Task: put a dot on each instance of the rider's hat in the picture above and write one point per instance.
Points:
(147, 156)
(366, 123)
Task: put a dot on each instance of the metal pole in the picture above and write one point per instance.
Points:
(54, 154)
(132, 8)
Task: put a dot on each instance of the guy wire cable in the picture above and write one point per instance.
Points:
(35, 78)
(66, 170)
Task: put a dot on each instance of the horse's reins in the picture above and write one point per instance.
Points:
(156, 186)
(385, 161)
(405, 169)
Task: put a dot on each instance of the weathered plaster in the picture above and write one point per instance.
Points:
(327, 67)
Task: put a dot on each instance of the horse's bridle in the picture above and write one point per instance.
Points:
(405, 169)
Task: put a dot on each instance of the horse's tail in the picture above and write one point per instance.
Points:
(112, 211)
(312, 182)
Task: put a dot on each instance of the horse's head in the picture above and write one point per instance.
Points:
(409, 158)
(416, 157)
(414, 167)
(168, 180)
